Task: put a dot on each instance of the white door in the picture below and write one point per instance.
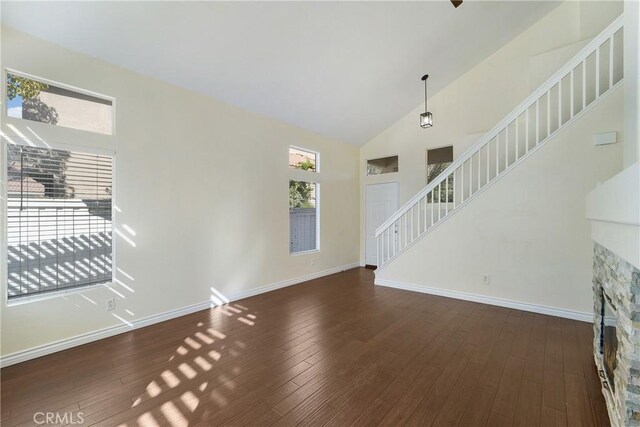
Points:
(381, 201)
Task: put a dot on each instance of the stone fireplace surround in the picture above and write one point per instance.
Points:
(620, 281)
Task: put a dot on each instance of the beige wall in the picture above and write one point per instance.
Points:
(203, 185)
(632, 71)
(527, 231)
(474, 103)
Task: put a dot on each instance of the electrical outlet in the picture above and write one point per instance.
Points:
(485, 279)
(111, 304)
(313, 261)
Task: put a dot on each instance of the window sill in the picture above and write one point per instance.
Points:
(392, 174)
(312, 251)
(54, 294)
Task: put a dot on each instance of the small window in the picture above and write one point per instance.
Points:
(302, 159)
(438, 159)
(43, 102)
(58, 220)
(382, 165)
(303, 216)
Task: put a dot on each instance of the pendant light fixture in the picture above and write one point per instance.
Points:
(426, 118)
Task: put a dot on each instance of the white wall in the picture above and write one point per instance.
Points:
(527, 231)
(613, 208)
(632, 72)
(204, 185)
(474, 103)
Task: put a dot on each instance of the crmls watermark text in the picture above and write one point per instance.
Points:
(43, 418)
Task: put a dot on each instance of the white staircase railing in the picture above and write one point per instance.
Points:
(592, 73)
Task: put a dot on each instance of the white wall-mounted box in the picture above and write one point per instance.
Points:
(605, 138)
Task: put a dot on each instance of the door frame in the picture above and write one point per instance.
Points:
(365, 216)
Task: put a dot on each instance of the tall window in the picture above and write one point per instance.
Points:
(303, 202)
(58, 220)
(40, 101)
(438, 159)
(303, 216)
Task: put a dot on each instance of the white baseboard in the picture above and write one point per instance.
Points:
(535, 308)
(43, 350)
(294, 281)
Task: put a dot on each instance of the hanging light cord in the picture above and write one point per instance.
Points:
(425, 92)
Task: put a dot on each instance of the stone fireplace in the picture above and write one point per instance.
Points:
(616, 286)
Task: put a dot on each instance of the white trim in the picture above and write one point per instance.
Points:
(484, 299)
(366, 165)
(383, 157)
(13, 71)
(310, 251)
(317, 207)
(318, 216)
(4, 229)
(426, 157)
(306, 150)
(294, 281)
(11, 137)
(43, 350)
(59, 293)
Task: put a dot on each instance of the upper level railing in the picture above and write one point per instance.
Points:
(589, 75)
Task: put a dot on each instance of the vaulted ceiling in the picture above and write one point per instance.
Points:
(346, 70)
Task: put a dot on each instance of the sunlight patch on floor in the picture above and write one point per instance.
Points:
(173, 414)
(204, 338)
(200, 361)
(187, 370)
(170, 378)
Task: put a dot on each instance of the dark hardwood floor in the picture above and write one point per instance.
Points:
(333, 351)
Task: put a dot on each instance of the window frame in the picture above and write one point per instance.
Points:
(5, 112)
(431, 198)
(4, 248)
(317, 248)
(312, 177)
(426, 158)
(366, 165)
(306, 150)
